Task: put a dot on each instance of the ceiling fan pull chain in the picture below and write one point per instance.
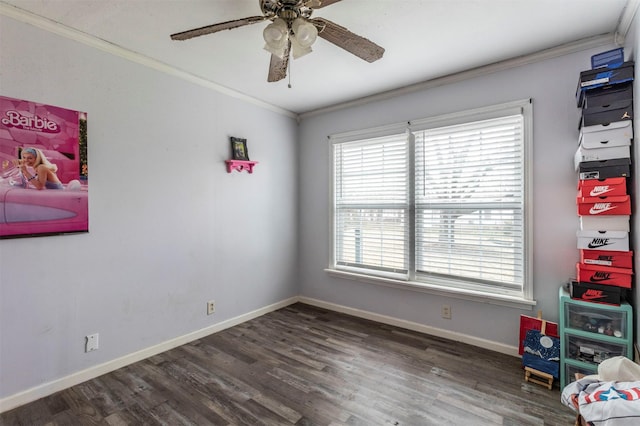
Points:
(289, 74)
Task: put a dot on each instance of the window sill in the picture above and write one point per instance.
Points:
(458, 293)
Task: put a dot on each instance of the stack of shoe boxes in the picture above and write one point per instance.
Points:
(603, 161)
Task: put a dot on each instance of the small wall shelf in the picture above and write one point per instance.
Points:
(240, 165)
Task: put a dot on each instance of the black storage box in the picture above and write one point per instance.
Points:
(605, 169)
(601, 77)
(607, 95)
(616, 111)
(597, 293)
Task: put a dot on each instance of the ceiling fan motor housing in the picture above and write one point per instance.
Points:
(286, 9)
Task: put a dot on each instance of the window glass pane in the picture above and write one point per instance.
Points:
(484, 245)
(372, 171)
(372, 238)
(481, 163)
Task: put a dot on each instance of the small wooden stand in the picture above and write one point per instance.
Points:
(536, 376)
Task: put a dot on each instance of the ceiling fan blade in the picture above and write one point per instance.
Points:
(209, 29)
(318, 4)
(345, 39)
(278, 66)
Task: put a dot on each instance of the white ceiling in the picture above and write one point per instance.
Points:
(424, 39)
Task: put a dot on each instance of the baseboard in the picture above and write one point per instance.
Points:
(434, 331)
(49, 388)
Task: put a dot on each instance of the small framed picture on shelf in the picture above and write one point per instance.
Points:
(239, 149)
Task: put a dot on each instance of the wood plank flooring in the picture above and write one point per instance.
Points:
(303, 365)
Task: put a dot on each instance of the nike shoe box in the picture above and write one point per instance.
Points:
(605, 169)
(596, 293)
(616, 111)
(604, 275)
(605, 223)
(607, 95)
(602, 187)
(603, 240)
(619, 133)
(602, 77)
(615, 205)
(617, 259)
(584, 154)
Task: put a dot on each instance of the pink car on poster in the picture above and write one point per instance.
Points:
(43, 170)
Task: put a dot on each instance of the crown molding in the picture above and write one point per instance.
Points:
(626, 19)
(106, 46)
(554, 52)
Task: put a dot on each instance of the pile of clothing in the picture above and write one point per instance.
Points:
(609, 398)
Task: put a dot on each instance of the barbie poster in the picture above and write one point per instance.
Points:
(43, 169)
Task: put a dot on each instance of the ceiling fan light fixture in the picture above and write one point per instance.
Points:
(298, 50)
(304, 32)
(275, 36)
(278, 51)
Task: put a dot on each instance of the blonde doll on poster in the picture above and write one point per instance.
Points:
(37, 171)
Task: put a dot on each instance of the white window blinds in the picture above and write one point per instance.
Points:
(371, 204)
(469, 195)
(444, 204)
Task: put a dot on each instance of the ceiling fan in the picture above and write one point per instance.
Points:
(292, 31)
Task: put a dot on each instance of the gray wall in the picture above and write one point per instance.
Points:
(551, 84)
(631, 42)
(169, 227)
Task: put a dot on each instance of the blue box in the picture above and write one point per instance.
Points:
(611, 58)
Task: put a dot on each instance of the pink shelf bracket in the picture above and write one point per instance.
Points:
(240, 165)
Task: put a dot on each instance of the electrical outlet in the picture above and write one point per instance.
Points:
(91, 343)
(211, 307)
(446, 311)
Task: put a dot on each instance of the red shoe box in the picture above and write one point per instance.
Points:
(617, 259)
(602, 187)
(606, 294)
(604, 275)
(591, 206)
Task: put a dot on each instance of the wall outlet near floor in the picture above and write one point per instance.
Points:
(91, 343)
(446, 311)
(211, 307)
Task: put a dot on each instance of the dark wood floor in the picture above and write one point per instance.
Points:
(303, 365)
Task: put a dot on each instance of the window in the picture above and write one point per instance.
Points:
(440, 203)
(372, 204)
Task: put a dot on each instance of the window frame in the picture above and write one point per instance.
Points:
(519, 299)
